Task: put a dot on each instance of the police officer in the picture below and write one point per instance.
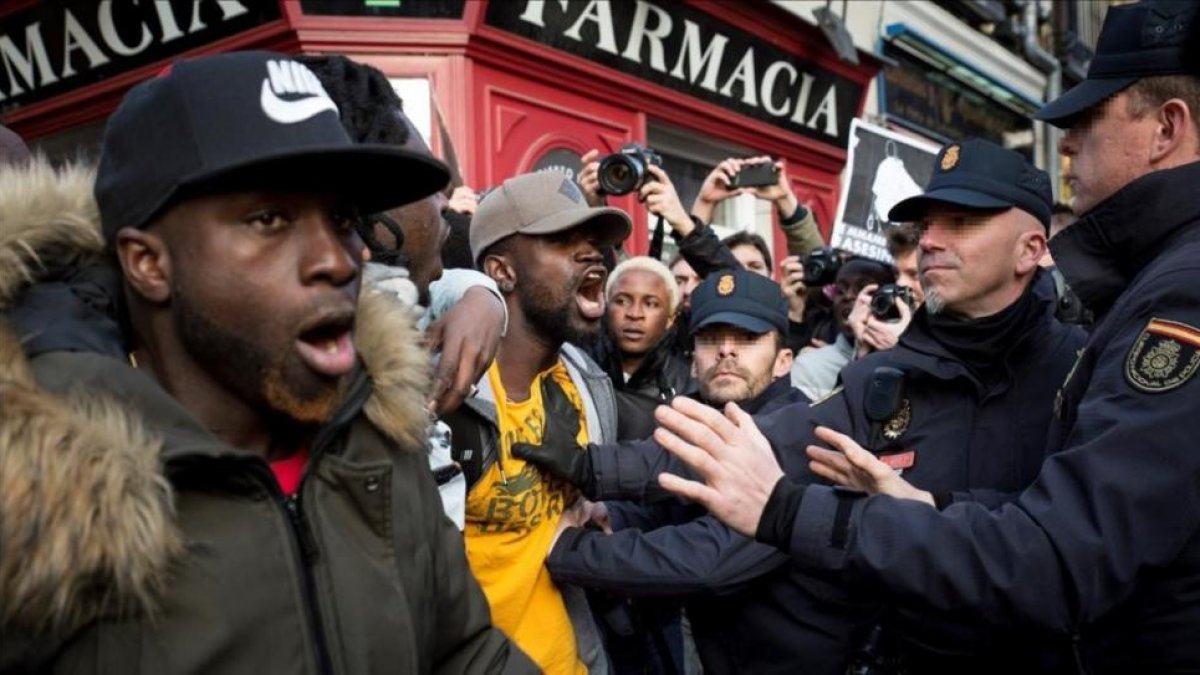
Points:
(1105, 544)
(961, 406)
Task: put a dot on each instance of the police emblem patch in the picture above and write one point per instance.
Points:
(950, 159)
(895, 427)
(725, 285)
(1163, 357)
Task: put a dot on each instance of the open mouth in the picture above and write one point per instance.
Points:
(326, 345)
(633, 334)
(589, 296)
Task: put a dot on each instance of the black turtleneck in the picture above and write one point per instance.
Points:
(977, 342)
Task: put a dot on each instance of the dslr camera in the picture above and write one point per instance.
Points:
(883, 301)
(821, 267)
(625, 171)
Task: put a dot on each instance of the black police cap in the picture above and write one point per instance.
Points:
(1138, 40)
(978, 174)
(739, 298)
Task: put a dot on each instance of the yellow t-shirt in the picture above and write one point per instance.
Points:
(511, 516)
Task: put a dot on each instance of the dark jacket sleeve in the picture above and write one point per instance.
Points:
(990, 499)
(801, 232)
(624, 515)
(701, 556)
(1118, 501)
(704, 251)
(629, 471)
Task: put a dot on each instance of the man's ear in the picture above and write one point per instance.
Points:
(146, 263)
(1031, 246)
(500, 269)
(783, 363)
(1175, 129)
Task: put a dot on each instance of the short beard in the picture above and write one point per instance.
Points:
(250, 372)
(719, 400)
(934, 302)
(553, 323)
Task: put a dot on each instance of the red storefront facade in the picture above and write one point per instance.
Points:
(514, 85)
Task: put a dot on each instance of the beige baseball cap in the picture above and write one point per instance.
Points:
(540, 203)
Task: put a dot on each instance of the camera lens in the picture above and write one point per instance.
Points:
(619, 175)
(814, 271)
(881, 303)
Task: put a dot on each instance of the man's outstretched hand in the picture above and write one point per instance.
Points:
(728, 452)
(852, 466)
(559, 453)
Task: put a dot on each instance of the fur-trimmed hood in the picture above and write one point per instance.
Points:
(86, 516)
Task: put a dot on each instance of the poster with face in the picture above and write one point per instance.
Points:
(883, 168)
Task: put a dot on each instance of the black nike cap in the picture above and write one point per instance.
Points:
(242, 121)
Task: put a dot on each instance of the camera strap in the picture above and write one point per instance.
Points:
(656, 241)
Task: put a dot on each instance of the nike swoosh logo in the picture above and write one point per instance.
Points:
(290, 112)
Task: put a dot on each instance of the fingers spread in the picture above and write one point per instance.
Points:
(699, 423)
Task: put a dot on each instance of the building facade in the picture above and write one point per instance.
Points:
(970, 68)
(497, 86)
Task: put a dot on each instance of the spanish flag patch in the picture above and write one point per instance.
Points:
(1164, 356)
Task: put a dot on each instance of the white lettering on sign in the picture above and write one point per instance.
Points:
(640, 34)
(600, 13)
(28, 67)
(77, 38)
(19, 65)
(700, 64)
(707, 60)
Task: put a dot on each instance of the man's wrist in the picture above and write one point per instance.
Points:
(683, 224)
(791, 211)
(779, 514)
(702, 210)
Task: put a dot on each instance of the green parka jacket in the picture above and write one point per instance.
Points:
(134, 541)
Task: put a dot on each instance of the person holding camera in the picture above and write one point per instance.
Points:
(815, 372)
(882, 313)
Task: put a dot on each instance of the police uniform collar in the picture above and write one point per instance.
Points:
(1107, 247)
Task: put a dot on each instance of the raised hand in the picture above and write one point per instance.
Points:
(728, 452)
(850, 465)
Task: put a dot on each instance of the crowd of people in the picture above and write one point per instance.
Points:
(277, 396)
